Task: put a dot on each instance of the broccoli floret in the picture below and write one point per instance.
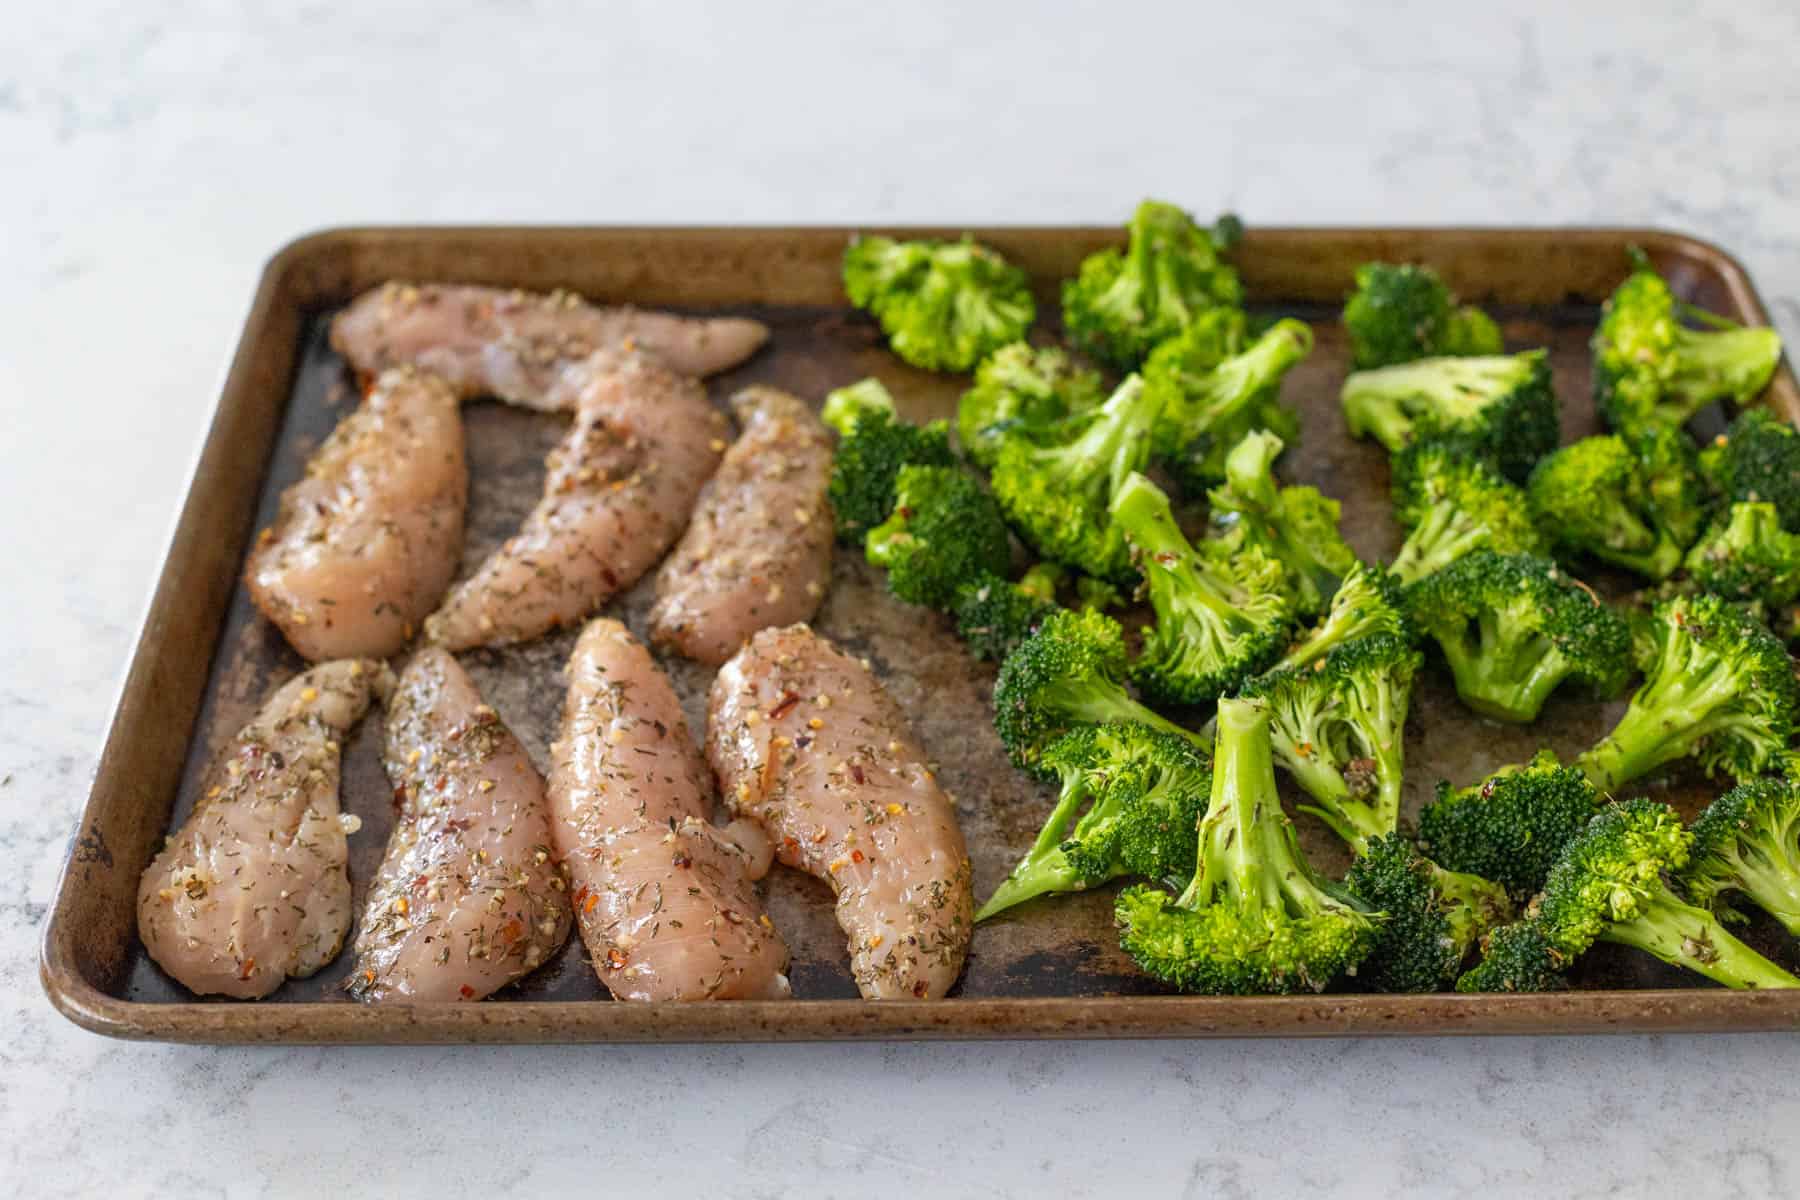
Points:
(1498, 407)
(1057, 485)
(1453, 504)
(1339, 729)
(1636, 502)
(1511, 826)
(1370, 601)
(1434, 916)
(1721, 690)
(1144, 792)
(994, 615)
(869, 459)
(1296, 526)
(1018, 387)
(1516, 958)
(1120, 305)
(1748, 841)
(943, 305)
(1758, 459)
(847, 405)
(1070, 672)
(1514, 627)
(1401, 313)
(944, 530)
(1611, 885)
(1211, 390)
(1221, 614)
(1652, 370)
(1747, 555)
(1255, 918)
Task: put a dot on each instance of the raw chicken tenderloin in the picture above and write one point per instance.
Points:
(254, 887)
(619, 490)
(363, 546)
(516, 345)
(664, 900)
(803, 739)
(758, 551)
(470, 896)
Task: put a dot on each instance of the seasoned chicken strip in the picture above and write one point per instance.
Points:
(758, 551)
(664, 900)
(363, 546)
(516, 345)
(253, 888)
(620, 488)
(803, 739)
(470, 896)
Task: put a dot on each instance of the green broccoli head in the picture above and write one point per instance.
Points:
(1057, 485)
(1748, 842)
(1511, 826)
(1211, 390)
(1514, 627)
(1400, 313)
(1495, 407)
(1721, 690)
(1451, 505)
(1651, 370)
(847, 405)
(1130, 801)
(1610, 884)
(1021, 388)
(1434, 916)
(1516, 958)
(1120, 305)
(993, 615)
(1758, 459)
(1255, 918)
(1071, 671)
(1370, 601)
(943, 305)
(1636, 502)
(1296, 526)
(869, 459)
(1747, 555)
(944, 531)
(1221, 615)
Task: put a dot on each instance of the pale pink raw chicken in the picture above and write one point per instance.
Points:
(470, 895)
(254, 887)
(517, 345)
(364, 545)
(758, 550)
(664, 900)
(619, 490)
(803, 739)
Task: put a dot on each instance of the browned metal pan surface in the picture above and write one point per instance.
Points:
(1047, 970)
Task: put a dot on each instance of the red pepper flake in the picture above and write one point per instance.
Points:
(247, 969)
(919, 989)
(682, 860)
(614, 959)
(788, 700)
(511, 931)
(856, 773)
(581, 893)
(856, 856)
(400, 796)
(420, 883)
(731, 916)
(790, 845)
(591, 901)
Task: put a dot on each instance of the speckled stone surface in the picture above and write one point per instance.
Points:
(154, 155)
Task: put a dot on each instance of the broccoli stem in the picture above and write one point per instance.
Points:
(1357, 822)
(1500, 676)
(1045, 868)
(1383, 418)
(1774, 888)
(1243, 779)
(1686, 936)
(1088, 703)
(1659, 726)
(1445, 535)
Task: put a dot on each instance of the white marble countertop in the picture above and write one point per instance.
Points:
(148, 165)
